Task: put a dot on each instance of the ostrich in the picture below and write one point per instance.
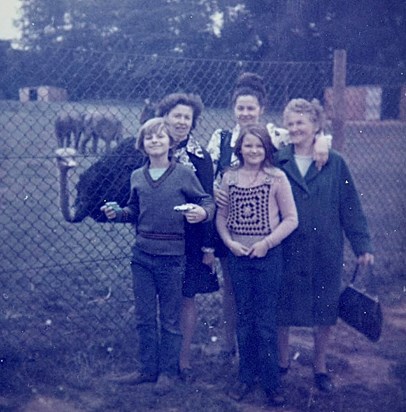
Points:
(107, 179)
(98, 125)
(66, 124)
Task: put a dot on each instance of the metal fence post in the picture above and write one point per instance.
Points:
(338, 120)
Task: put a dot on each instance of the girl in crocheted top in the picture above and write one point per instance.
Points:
(261, 212)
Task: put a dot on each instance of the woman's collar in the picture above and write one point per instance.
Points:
(192, 146)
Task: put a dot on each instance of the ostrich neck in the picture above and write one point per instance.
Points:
(64, 195)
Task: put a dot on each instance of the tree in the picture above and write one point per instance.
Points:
(372, 31)
(165, 27)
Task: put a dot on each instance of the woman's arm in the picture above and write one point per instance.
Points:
(287, 209)
(213, 148)
(352, 216)
(279, 136)
(204, 172)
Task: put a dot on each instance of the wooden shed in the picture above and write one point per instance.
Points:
(43, 94)
(361, 102)
(402, 104)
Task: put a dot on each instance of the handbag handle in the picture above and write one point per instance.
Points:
(371, 275)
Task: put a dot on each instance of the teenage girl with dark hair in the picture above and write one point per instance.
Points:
(261, 212)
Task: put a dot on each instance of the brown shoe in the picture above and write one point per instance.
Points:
(134, 378)
(239, 391)
(276, 398)
(323, 382)
(187, 376)
(228, 355)
(164, 384)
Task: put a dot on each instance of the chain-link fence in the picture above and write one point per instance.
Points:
(67, 287)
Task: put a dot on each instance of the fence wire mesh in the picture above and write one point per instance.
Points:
(67, 287)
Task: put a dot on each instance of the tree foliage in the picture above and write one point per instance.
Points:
(372, 31)
(136, 26)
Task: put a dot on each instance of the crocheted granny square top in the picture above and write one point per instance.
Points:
(249, 210)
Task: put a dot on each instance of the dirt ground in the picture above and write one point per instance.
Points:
(369, 377)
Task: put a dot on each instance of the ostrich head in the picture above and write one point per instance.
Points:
(65, 158)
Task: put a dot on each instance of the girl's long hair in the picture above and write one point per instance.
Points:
(263, 135)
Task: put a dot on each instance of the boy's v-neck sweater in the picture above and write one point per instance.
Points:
(159, 228)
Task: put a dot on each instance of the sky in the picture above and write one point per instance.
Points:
(8, 12)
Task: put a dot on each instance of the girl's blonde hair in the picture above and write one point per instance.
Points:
(313, 108)
(155, 125)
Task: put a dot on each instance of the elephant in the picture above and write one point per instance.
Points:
(108, 179)
(98, 125)
(66, 124)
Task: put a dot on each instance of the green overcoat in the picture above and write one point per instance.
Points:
(328, 206)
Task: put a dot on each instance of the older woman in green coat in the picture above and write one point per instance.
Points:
(329, 208)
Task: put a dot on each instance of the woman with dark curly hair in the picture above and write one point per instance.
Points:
(181, 112)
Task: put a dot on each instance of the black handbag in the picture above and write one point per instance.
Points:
(361, 311)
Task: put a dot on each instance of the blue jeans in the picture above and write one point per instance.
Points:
(256, 286)
(157, 276)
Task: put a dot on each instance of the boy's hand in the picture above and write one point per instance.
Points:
(195, 215)
(110, 209)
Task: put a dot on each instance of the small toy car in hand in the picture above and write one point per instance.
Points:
(186, 207)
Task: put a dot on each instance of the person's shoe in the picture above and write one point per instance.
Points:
(276, 398)
(134, 378)
(186, 375)
(283, 371)
(239, 391)
(323, 382)
(227, 355)
(164, 384)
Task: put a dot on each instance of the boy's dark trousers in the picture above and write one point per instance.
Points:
(158, 276)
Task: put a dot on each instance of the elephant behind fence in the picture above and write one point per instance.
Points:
(101, 126)
(68, 124)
